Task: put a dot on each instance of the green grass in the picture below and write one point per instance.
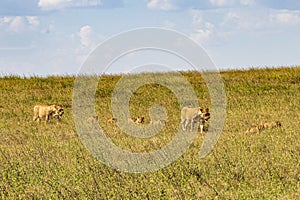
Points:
(49, 161)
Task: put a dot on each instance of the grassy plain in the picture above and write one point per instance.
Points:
(39, 161)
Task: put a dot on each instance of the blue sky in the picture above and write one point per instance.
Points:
(46, 37)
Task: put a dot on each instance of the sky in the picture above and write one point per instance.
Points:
(54, 37)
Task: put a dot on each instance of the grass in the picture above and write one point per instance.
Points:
(49, 161)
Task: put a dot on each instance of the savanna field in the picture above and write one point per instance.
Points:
(49, 161)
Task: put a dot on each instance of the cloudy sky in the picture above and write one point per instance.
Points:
(45, 37)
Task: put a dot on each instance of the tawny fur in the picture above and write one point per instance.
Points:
(137, 120)
(92, 118)
(254, 129)
(270, 125)
(191, 115)
(112, 120)
(46, 112)
(204, 117)
(160, 121)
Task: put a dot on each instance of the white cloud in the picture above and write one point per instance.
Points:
(197, 19)
(89, 39)
(247, 2)
(167, 5)
(221, 3)
(201, 35)
(231, 19)
(19, 23)
(168, 24)
(259, 20)
(60, 4)
(204, 29)
(161, 5)
(49, 29)
(85, 34)
(52, 4)
(5, 20)
(33, 20)
(226, 3)
(286, 17)
(245, 20)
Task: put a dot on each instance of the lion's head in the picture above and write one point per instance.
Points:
(58, 111)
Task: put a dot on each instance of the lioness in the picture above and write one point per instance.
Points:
(204, 117)
(46, 112)
(193, 115)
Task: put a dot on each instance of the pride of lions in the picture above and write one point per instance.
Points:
(189, 117)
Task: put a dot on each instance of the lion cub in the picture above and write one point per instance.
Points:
(111, 120)
(263, 125)
(92, 118)
(137, 120)
(159, 121)
(270, 125)
(46, 112)
(254, 129)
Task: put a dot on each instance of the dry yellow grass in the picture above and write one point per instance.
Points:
(49, 161)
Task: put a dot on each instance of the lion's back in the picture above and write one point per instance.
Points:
(40, 109)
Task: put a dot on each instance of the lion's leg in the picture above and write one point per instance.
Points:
(186, 123)
(47, 118)
(183, 123)
(192, 124)
(201, 128)
(58, 120)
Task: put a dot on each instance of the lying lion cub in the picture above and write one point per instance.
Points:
(111, 120)
(254, 129)
(137, 120)
(263, 125)
(270, 125)
(41, 112)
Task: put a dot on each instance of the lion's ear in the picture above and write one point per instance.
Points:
(201, 109)
(53, 108)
